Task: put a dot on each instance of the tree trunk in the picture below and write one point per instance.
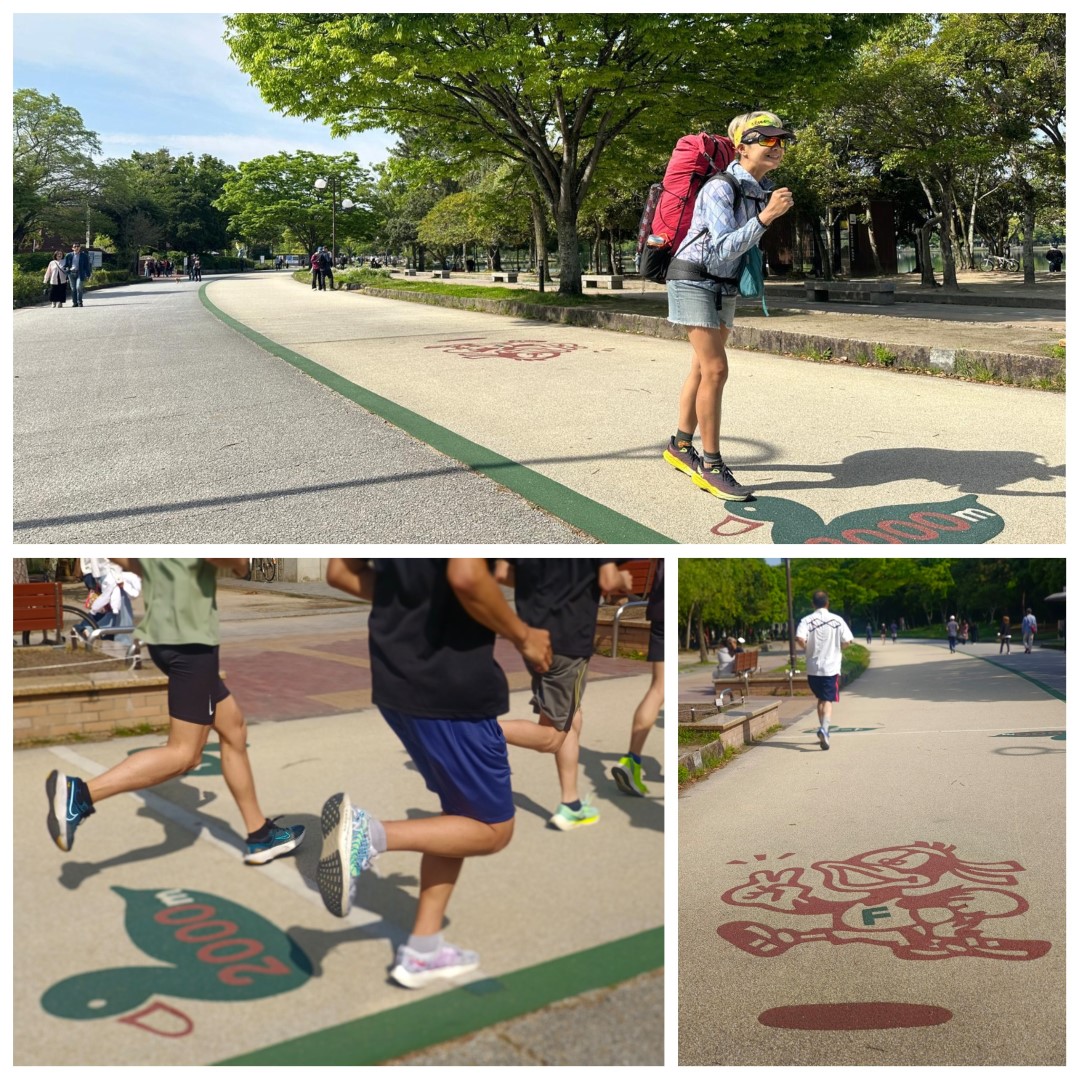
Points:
(689, 621)
(569, 251)
(948, 223)
(494, 257)
(540, 238)
(1028, 230)
(20, 575)
(873, 242)
(703, 648)
(925, 255)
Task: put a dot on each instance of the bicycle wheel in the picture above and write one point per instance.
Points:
(73, 616)
(988, 263)
(269, 569)
(1012, 265)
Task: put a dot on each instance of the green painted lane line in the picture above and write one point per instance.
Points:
(1045, 687)
(599, 521)
(466, 1009)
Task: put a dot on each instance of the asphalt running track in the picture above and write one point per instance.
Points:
(489, 428)
(897, 900)
(904, 459)
(122, 944)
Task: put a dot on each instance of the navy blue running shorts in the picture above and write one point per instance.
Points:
(824, 687)
(464, 762)
(195, 687)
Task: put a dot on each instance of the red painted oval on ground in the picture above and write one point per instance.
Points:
(854, 1016)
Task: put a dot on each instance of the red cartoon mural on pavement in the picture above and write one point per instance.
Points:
(518, 349)
(920, 900)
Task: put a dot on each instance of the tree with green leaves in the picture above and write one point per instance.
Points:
(550, 91)
(272, 195)
(52, 165)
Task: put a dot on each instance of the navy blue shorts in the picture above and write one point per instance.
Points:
(464, 762)
(824, 687)
(195, 687)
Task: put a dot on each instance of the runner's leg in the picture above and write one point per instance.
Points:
(179, 755)
(231, 727)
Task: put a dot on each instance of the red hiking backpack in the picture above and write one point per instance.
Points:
(670, 204)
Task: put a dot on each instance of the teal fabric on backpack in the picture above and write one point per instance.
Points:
(752, 277)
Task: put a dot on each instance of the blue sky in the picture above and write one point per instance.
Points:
(147, 81)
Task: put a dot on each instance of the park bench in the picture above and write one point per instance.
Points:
(410, 272)
(440, 273)
(39, 605)
(601, 281)
(509, 276)
(746, 663)
(870, 291)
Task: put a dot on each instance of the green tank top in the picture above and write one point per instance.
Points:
(180, 600)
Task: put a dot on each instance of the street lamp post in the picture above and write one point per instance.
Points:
(321, 185)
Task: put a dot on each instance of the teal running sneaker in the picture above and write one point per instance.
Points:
(565, 819)
(69, 807)
(628, 775)
(281, 838)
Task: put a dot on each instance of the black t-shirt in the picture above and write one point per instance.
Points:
(428, 656)
(561, 596)
(655, 611)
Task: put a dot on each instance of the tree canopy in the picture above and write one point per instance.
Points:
(550, 91)
(272, 195)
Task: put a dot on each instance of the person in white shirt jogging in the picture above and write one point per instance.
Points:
(1028, 627)
(824, 636)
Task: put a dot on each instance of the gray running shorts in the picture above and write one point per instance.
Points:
(558, 692)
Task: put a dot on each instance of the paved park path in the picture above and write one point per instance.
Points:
(569, 923)
(913, 874)
(215, 437)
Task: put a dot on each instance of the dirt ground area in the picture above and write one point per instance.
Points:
(993, 327)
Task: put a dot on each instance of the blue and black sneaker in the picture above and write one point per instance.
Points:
(278, 840)
(69, 805)
(823, 737)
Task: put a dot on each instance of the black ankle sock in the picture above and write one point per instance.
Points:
(684, 437)
(713, 459)
(575, 805)
(261, 833)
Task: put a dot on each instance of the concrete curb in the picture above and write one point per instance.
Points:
(1011, 368)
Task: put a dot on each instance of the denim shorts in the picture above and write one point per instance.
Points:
(699, 303)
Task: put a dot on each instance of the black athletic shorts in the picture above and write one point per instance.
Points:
(656, 642)
(195, 687)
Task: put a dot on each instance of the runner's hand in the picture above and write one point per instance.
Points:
(536, 649)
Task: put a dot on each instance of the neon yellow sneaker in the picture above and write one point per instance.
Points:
(564, 818)
(628, 775)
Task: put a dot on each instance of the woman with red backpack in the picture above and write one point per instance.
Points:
(730, 216)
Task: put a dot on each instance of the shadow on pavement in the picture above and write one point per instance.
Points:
(967, 470)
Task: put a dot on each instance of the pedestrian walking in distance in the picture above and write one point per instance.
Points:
(180, 627)
(1028, 627)
(56, 278)
(1005, 635)
(824, 636)
(435, 680)
(952, 628)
